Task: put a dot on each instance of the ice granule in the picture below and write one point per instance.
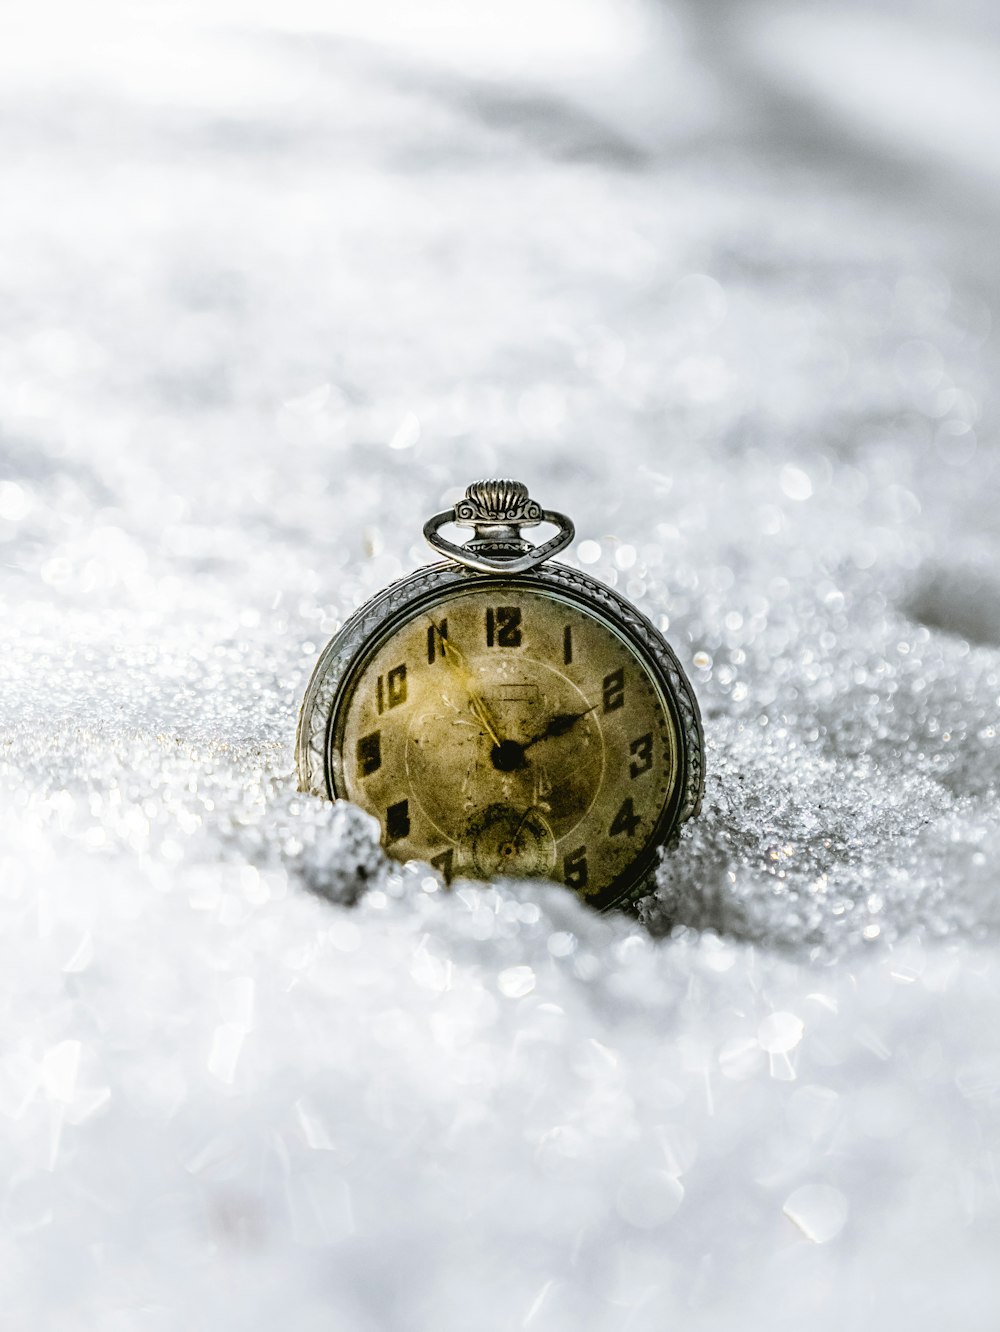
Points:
(270, 293)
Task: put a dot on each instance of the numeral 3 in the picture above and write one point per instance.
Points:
(642, 751)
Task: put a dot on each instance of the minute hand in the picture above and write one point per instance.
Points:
(460, 666)
(558, 725)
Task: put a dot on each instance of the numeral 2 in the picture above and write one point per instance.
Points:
(503, 626)
(390, 691)
(614, 690)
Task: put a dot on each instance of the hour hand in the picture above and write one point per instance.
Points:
(558, 725)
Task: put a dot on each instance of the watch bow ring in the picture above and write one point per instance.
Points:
(504, 716)
(497, 510)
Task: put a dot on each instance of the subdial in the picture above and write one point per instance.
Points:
(507, 840)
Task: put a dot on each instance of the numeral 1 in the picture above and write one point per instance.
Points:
(390, 691)
(503, 626)
(567, 645)
(614, 690)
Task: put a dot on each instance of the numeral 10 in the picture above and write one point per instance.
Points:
(390, 690)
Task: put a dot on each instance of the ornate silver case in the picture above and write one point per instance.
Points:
(320, 766)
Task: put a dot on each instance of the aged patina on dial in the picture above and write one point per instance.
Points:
(503, 719)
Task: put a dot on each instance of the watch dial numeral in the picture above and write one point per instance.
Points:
(503, 626)
(390, 690)
(641, 750)
(505, 697)
(443, 863)
(614, 690)
(575, 868)
(625, 821)
(370, 753)
(436, 634)
(397, 821)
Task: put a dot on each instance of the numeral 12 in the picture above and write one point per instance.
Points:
(503, 626)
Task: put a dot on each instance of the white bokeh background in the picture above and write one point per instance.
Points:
(276, 282)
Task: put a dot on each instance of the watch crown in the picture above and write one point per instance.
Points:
(498, 501)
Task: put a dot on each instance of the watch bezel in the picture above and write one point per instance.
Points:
(368, 627)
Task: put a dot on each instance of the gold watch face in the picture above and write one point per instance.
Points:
(503, 729)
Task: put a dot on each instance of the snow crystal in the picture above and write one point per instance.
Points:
(277, 282)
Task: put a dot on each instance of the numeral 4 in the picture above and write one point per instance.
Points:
(625, 821)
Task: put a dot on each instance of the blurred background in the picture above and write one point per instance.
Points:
(276, 282)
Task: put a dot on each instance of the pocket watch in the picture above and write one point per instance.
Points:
(506, 717)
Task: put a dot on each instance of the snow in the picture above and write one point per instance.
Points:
(276, 282)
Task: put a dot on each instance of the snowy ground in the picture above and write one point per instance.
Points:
(275, 281)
